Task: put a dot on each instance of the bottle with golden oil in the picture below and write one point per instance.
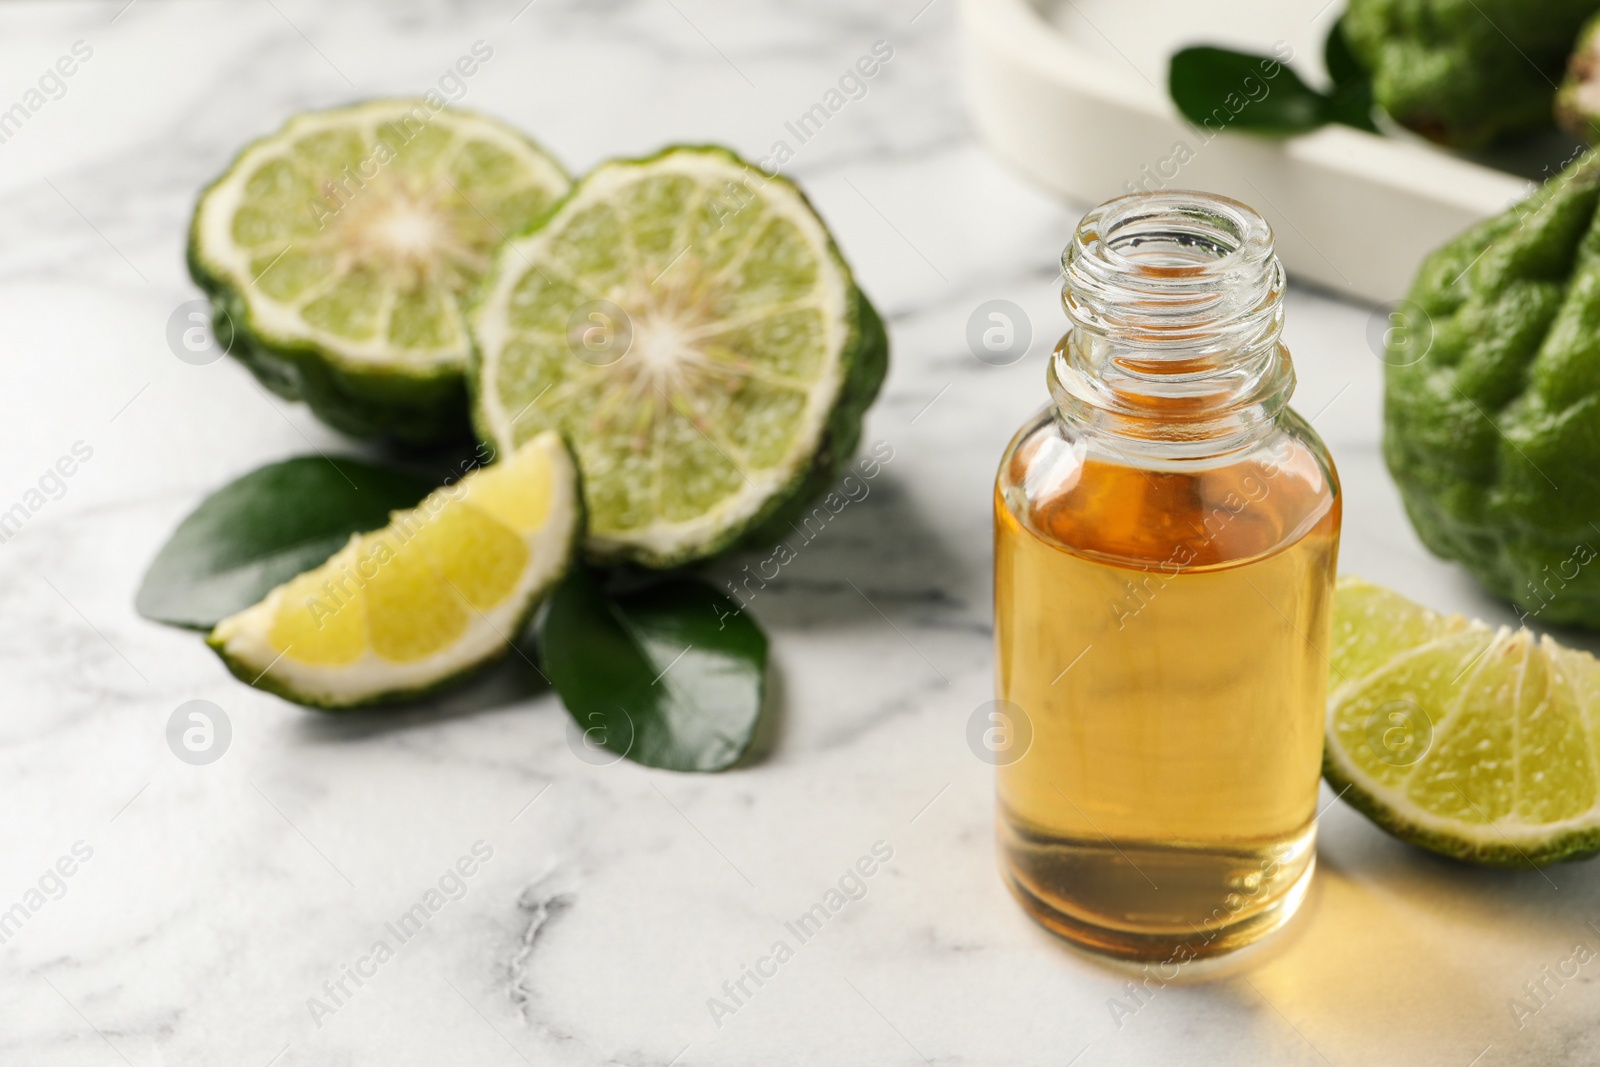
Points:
(1166, 532)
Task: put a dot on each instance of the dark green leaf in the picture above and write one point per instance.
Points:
(670, 676)
(1350, 102)
(1219, 89)
(1337, 56)
(258, 532)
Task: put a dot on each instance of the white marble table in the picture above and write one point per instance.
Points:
(217, 900)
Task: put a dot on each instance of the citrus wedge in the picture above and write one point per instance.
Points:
(1476, 743)
(687, 323)
(445, 587)
(343, 248)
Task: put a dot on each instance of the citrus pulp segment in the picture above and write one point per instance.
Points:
(1474, 743)
(445, 587)
(343, 249)
(687, 323)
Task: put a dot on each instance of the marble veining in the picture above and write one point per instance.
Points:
(617, 901)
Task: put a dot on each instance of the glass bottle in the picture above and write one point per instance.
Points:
(1166, 536)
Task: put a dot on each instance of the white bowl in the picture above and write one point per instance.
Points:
(1073, 94)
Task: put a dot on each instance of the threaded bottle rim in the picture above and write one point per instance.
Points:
(1174, 270)
(1176, 302)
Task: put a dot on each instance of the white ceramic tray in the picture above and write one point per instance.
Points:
(1072, 93)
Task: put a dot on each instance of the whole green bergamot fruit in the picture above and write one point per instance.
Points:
(1578, 102)
(1492, 400)
(1465, 73)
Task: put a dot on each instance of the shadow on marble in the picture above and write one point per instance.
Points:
(511, 684)
(873, 559)
(772, 727)
(504, 684)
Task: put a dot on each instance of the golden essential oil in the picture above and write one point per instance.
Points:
(1166, 536)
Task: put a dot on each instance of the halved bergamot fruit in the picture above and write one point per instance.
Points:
(687, 323)
(1476, 743)
(343, 248)
(444, 588)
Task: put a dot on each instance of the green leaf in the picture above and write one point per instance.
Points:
(1350, 102)
(1351, 105)
(256, 533)
(669, 676)
(1217, 88)
(1340, 58)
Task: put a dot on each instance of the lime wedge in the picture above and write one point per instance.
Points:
(442, 589)
(344, 247)
(687, 323)
(1474, 743)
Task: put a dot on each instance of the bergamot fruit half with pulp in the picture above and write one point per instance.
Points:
(687, 323)
(341, 252)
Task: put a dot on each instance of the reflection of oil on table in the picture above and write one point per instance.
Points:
(1073, 94)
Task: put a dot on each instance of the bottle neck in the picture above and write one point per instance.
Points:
(1176, 304)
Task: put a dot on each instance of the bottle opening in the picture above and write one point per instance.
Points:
(1174, 268)
(1179, 234)
(1176, 302)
